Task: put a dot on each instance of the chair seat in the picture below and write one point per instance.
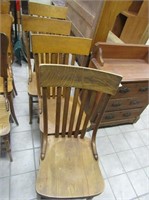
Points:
(9, 82)
(4, 118)
(69, 169)
(52, 115)
(32, 85)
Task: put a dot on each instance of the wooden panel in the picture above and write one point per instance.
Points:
(44, 25)
(65, 44)
(79, 77)
(47, 10)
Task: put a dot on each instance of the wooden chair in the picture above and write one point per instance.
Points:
(39, 25)
(5, 27)
(4, 7)
(49, 11)
(58, 50)
(4, 104)
(4, 75)
(69, 160)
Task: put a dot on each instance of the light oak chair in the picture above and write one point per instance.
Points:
(5, 27)
(4, 103)
(58, 50)
(49, 11)
(69, 161)
(39, 25)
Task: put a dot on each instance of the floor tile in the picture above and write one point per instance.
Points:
(111, 165)
(21, 141)
(37, 157)
(4, 188)
(107, 193)
(139, 125)
(101, 132)
(122, 188)
(24, 125)
(23, 161)
(4, 167)
(22, 97)
(128, 160)
(133, 139)
(145, 197)
(36, 138)
(127, 128)
(142, 155)
(119, 142)
(104, 146)
(139, 181)
(23, 187)
(144, 134)
(22, 109)
(147, 171)
(113, 130)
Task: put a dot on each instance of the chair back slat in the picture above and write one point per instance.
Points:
(58, 112)
(89, 112)
(81, 111)
(65, 113)
(47, 10)
(73, 111)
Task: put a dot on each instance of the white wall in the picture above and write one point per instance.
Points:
(42, 1)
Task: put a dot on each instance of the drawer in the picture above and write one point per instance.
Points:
(132, 89)
(121, 115)
(127, 103)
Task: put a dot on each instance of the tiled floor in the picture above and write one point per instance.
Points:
(123, 150)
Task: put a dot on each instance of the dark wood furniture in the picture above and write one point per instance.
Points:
(130, 61)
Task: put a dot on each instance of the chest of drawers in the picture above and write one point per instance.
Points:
(132, 96)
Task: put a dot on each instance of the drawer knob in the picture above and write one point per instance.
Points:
(117, 104)
(111, 116)
(134, 102)
(127, 114)
(124, 90)
(143, 89)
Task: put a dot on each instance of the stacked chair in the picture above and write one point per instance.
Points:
(46, 19)
(5, 85)
(39, 25)
(5, 27)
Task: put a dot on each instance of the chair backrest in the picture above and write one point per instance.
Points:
(42, 25)
(75, 79)
(58, 49)
(5, 27)
(4, 42)
(4, 7)
(45, 25)
(50, 11)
